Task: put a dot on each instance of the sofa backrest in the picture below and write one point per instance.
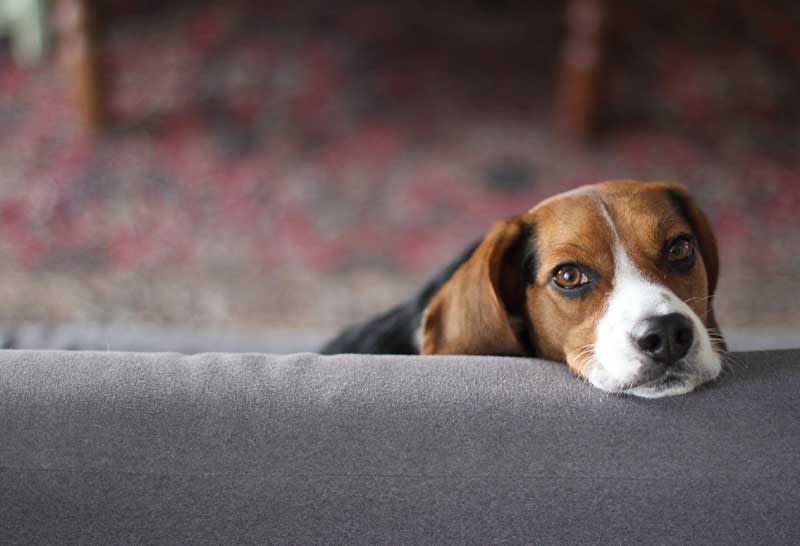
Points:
(220, 448)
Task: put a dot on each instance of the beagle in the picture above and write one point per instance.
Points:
(615, 279)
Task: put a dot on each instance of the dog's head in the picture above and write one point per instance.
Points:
(616, 279)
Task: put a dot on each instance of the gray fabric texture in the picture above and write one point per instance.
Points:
(215, 448)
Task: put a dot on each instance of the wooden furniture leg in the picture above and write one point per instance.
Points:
(579, 84)
(80, 58)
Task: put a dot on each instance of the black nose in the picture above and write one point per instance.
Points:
(666, 339)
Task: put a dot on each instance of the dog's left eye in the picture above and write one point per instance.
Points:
(570, 276)
(680, 250)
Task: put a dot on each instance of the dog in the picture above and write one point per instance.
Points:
(616, 279)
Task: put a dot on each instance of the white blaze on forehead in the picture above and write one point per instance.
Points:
(589, 190)
(607, 216)
(633, 298)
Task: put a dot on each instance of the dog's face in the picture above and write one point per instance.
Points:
(615, 279)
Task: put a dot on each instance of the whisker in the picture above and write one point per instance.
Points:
(731, 360)
(581, 358)
(694, 299)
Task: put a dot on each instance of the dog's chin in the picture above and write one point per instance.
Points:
(657, 383)
(666, 385)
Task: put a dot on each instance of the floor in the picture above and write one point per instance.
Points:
(275, 170)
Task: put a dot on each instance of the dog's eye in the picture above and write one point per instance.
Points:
(570, 276)
(681, 249)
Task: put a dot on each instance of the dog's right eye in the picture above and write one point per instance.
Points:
(570, 276)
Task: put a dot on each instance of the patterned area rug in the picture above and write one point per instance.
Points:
(304, 164)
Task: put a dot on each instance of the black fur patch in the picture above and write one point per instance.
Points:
(681, 205)
(393, 332)
(530, 259)
(528, 264)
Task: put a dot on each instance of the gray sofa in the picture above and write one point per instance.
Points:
(222, 448)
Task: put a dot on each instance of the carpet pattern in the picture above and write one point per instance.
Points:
(295, 163)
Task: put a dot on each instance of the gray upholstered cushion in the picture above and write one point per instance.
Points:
(114, 447)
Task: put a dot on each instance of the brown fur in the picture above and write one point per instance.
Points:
(468, 315)
(472, 312)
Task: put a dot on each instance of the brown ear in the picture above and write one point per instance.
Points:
(706, 243)
(468, 315)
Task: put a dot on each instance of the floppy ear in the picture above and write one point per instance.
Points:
(469, 314)
(706, 243)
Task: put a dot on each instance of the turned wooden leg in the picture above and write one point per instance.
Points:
(80, 58)
(582, 62)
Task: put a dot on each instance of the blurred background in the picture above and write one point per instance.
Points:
(255, 174)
